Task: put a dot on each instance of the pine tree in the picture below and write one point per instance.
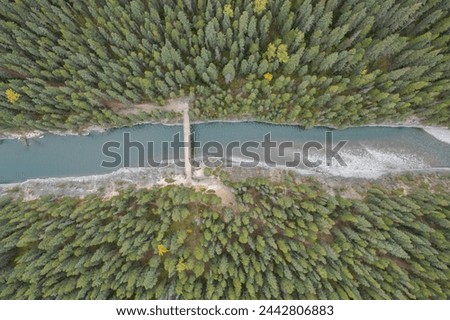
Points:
(229, 72)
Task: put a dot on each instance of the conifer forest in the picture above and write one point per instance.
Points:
(309, 62)
(281, 241)
(70, 65)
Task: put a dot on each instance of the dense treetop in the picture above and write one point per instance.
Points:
(282, 240)
(303, 61)
(70, 64)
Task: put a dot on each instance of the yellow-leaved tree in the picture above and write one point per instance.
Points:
(12, 96)
(228, 11)
(260, 5)
(268, 76)
(162, 249)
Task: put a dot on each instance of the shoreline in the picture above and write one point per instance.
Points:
(108, 185)
(129, 175)
(440, 133)
(91, 184)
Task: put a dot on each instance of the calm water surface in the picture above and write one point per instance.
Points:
(66, 156)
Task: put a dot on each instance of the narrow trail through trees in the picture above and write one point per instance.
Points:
(181, 105)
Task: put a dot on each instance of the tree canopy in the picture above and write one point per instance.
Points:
(335, 62)
(282, 240)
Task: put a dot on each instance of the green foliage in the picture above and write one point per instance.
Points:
(282, 54)
(260, 5)
(341, 64)
(282, 241)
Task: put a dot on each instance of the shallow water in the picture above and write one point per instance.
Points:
(369, 149)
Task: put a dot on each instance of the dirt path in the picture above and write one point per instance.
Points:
(207, 183)
(176, 105)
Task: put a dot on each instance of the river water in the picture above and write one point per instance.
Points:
(368, 152)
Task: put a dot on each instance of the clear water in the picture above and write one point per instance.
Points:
(67, 156)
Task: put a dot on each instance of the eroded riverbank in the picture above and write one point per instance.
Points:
(109, 185)
(370, 152)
